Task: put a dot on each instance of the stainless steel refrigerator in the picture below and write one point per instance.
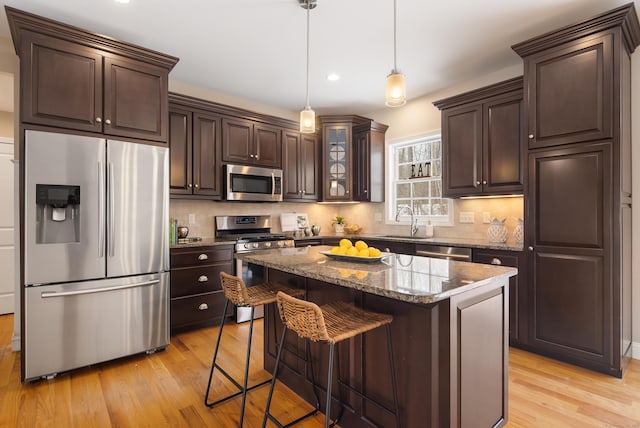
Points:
(96, 254)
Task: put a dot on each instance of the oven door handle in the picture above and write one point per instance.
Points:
(48, 294)
(442, 255)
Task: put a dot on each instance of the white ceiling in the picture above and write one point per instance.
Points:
(256, 49)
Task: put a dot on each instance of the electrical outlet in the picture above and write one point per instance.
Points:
(467, 217)
(192, 218)
(486, 217)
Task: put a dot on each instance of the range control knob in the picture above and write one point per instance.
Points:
(247, 245)
(267, 244)
(255, 245)
(281, 243)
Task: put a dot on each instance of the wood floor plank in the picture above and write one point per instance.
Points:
(166, 389)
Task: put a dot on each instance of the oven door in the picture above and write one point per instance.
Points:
(251, 274)
(249, 183)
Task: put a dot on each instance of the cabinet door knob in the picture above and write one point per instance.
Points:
(365, 190)
(256, 157)
(108, 122)
(251, 156)
(196, 186)
(531, 136)
(203, 278)
(347, 192)
(477, 183)
(530, 248)
(99, 119)
(203, 257)
(484, 181)
(203, 307)
(303, 192)
(189, 185)
(496, 261)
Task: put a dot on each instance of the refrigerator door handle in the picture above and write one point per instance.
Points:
(273, 184)
(49, 294)
(112, 228)
(101, 212)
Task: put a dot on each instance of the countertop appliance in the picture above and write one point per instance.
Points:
(96, 253)
(251, 233)
(252, 183)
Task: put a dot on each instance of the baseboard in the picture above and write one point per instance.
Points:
(15, 344)
(635, 350)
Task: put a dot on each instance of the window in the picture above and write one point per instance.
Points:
(414, 171)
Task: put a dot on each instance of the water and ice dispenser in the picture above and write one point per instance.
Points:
(57, 213)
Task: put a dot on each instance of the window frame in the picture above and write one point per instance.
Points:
(390, 170)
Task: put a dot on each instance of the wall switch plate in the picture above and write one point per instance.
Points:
(486, 217)
(467, 217)
(192, 218)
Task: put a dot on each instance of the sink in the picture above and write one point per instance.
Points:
(422, 238)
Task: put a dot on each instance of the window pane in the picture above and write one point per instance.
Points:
(421, 207)
(436, 189)
(421, 189)
(404, 172)
(403, 190)
(435, 169)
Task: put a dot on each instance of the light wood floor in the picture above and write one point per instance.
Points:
(165, 390)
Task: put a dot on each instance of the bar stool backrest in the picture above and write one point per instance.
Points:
(303, 317)
(234, 289)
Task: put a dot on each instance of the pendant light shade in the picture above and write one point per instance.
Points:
(396, 93)
(307, 115)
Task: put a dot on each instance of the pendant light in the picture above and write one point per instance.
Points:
(396, 94)
(307, 115)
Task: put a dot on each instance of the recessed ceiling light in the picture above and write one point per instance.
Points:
(332, 77)
(123, 1)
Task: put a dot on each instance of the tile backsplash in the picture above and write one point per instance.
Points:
(370, 216)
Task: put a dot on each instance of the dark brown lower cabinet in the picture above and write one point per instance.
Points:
(518, 296)
(450, 358)
(197, 299)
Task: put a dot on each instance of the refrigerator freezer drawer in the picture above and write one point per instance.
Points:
(78, 324)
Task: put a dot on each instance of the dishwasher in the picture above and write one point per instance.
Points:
(443, 252)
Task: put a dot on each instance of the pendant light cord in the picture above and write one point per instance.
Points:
(308, 9)
(395, 66)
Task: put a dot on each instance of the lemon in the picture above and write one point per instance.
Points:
(352, 251)
(344, 242)
(361, 245)
(364, 252)
(374, 252)
(335, 250)
(342, 250)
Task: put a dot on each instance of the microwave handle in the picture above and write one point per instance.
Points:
(273, 184)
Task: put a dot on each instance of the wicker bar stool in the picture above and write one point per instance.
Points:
(331, 323)
(236, 292)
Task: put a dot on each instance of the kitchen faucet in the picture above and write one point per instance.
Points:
(414, 221)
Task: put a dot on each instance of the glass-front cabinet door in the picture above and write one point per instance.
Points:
(337, 162)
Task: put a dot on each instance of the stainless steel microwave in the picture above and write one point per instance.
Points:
(251, 183)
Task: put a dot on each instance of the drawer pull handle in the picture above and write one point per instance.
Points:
(203, 257)
(203, 278)
(203, 307)
(496, 261)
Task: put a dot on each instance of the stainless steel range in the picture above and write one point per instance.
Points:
(251, 233)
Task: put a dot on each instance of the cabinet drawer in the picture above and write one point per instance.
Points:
(196, 310)
(196, 280)
(202, 256)
(495, 258)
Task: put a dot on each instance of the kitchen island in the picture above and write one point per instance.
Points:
(450, 337)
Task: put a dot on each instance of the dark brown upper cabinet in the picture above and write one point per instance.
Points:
(482, 141)
(74, 79)
(578, 192)
(195, 147)
(251, 143)
(352, 159)
(300, 155)
(579, 73)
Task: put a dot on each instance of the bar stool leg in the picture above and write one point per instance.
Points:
(394, 385)
(327, 414)
(246, 368)
(215, 355)
(267, 415)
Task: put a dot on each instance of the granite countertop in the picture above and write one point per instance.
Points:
(205, 242)
(406, 278)
(452, 242)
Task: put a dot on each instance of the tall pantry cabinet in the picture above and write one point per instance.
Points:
(578, 191)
